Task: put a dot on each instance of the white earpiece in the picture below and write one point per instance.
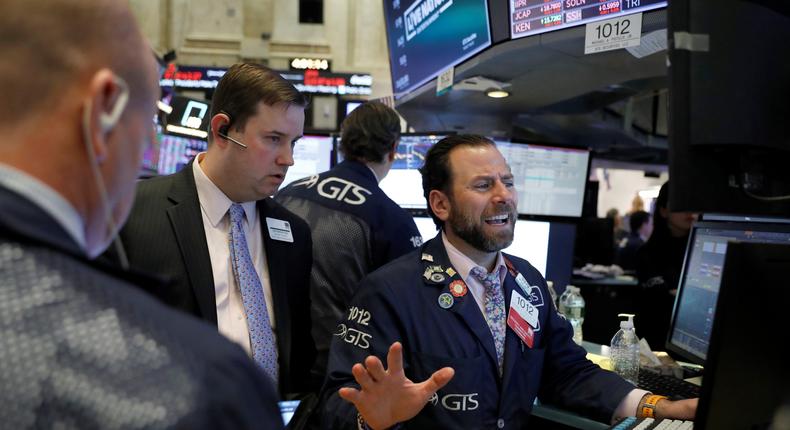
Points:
(108, 120)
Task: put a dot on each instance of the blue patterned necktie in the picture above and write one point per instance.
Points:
(264, 349)
(494, 308)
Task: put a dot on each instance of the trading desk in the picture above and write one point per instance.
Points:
(567, 418)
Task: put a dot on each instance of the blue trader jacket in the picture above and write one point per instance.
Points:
(407, 301)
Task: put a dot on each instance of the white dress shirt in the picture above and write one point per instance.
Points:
(464, 265)
(214, 206)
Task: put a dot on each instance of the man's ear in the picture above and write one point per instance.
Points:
(219, 128)
(440, 204)
(107, 98)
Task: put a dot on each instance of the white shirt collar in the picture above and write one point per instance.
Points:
(464, 264)
(46, 198)
(212, 200)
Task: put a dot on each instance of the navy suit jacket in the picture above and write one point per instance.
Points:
(164, 236)
(401, 302)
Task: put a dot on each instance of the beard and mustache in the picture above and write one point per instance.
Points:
(471, 229)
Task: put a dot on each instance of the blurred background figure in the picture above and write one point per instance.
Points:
(619, 230)
(641, 226)
(659, 263)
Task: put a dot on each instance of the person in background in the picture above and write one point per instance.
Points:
(358, 229)
(659, 263)
(641, 227)
(439, 316)
(236, 258)
(81, 345)
(619, 232)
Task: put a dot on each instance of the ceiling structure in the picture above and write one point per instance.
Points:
(611, 102)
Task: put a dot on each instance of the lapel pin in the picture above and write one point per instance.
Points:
(437, 277)
(458, 288)
(427, 257)
(451, 272)
(445, 301)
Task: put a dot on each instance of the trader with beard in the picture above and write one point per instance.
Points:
(474, 325)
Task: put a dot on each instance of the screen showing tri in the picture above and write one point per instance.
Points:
(529, 17)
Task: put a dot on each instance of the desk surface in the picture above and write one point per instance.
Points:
(618, 281)
(569, 418)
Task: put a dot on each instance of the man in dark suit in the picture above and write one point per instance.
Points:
(80, 345)
(182, 228)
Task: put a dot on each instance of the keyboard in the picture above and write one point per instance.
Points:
(633, 423)
(669, 386)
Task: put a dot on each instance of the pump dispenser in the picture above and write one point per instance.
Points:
(625, 350)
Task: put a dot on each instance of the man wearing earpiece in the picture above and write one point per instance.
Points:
(235, 257)
(80, 345)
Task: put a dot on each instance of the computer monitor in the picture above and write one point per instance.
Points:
(170, 154)
(550, 180)
(594, 242)
(745, 379)
(426, 37)
(546, 245)
(701, 279)
(312, 155)
(403, 183)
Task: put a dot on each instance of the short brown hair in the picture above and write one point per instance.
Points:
(245, 85)
(369, 132)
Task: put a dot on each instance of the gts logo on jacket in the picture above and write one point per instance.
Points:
(456, 402)
(334, 188)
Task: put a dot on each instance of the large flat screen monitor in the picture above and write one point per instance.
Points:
(550, 180)
(528, 17)
(426, 37)
(744, 385)
(548, 246)
(403, 183)
(170, 154)
(312, 155)
(698, 291)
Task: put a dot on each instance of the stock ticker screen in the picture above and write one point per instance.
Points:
(425, 37)
(528, 17)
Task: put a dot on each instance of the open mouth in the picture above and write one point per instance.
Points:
(500, 219)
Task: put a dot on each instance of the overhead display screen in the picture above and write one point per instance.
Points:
(426, 37)
(528, 17)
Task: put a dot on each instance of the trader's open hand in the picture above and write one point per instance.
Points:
(387, 397)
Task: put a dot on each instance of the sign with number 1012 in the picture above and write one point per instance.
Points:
(616, 33)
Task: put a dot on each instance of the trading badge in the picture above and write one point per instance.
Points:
(427, 257)
(437, 277)
(427, 273)
(450, 272)
(458, 288)
(445, 301)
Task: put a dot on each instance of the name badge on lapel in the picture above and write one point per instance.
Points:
(522, 318)
(279, 230)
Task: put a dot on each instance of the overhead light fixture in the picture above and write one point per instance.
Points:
(492, 88)
(497, 93)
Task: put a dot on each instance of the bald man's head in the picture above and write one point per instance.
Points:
(49, 46)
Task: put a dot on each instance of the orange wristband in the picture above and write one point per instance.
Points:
(648, 408)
